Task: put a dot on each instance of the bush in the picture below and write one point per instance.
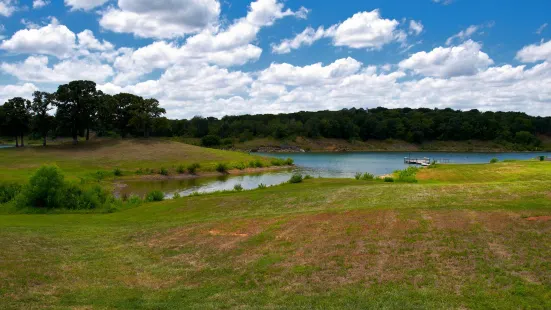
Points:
(494, 160)
(262, 186)
(181, 169)
(45, 189)
(388, 179)
(308, 177)
(8, 191)
(117, 172)
(222, 168)
(358, 175)
(140, 171)
(192, 169)
(238, 187)
(277, 162)
(163, 171)
(289, 162)
(296, 178)
(210, 141)
(176, 196)
(368, 177)
(408, 175)
(251, 164)
(240, 166)
(542, 158)
(155, 196)
(75, 198)
(100, 175)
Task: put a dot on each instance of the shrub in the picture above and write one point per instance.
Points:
(368, 176)
(240, 166)
(238, 187)
(163, 171)
(176, 196)
(181, 169)
(296, 178)
(8, 191)
(251, 164)
(408, 175)
(100, 175)
(358, 175)
(117, 172)
(192, 169)
(222, 168)
(155, 196)
(75, 198)
(388, 179)
(262, 186)
(289, 162)
(277, 162)
(542, 158)
(308, 177)
(45, 189)
(140, 171)
(134, 200)
(494, 160)
(210, 141)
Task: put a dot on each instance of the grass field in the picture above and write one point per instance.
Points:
(464, 237)
(128, 155)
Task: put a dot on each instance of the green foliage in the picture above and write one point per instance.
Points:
(408, 175)
(176, 196)
(240, 166)
(296, 178)
(308, 177)
(210, 141)
(163, 171)
(358, 175)
(277, 162)
(222, 168)
(100, 175)
(262, 186)
(45, 189)
(494, 160)
(181, 169)
(258, 164)
(542, 158)
(8, 191)
(192, 169)
(155, 196)
(289, 162)
(238, 188)
(117, 172)
(364, 177)
(388, 180)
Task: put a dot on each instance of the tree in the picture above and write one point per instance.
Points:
(42, 103)
(105, 117)
(18, 117)
(76, 102)
(143, 114)
(123, 111)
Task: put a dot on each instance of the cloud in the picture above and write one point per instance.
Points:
(367, 30)
(463, 34)
(7, 7)
(36, 69)
(415, 27)
(37, 4)
(444, 2)
(9, 91)
(464, 59)
(223, 47)
(535, 52)
(161, 19)
(541, 28)
(85, 5)
(53, 39)
(87, 40)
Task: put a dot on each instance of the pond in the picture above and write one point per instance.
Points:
(331, 165)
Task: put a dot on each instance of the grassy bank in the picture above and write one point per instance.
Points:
(87, 158)
(337, 145)
(464, 237)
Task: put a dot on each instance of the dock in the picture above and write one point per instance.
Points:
(417, 161)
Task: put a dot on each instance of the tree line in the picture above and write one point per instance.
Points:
(80, 108)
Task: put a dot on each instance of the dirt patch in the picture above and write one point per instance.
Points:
(215, 232)
(186, 176)
(544, 218)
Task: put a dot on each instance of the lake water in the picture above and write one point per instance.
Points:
(329, 165)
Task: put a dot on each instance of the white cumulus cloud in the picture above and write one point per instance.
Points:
(84, 4)
(535, 52)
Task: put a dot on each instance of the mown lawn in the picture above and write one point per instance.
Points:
(87, 158)
(449, 242)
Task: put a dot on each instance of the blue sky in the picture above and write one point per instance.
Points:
(218, 57)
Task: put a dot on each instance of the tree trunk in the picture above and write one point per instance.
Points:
(44, 140)
(16, 141)
(22, 141)
(87, 133)
(75, 138)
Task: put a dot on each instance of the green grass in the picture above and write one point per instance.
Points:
(87, 158)
(461, 238)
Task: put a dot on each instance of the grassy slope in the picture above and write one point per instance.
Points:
(128, 155)
(460, 239)
(329, 145)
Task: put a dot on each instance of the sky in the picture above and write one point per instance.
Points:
(222, 57)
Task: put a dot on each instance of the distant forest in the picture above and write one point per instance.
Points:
(80, 108)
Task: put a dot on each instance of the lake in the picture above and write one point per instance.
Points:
(327, 165)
